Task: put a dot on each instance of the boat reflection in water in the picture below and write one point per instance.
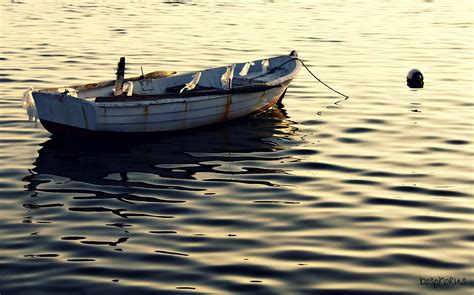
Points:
(168, 171)
(167, 201)
(176, 156)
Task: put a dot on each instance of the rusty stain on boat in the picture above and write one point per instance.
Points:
(260, 100)
(225, 115)
(85, 118)
(272, 102)
(145, 110)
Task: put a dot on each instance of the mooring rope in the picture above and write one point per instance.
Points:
(320, 81)
(307, 68)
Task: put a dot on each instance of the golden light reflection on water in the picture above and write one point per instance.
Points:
(364, 195)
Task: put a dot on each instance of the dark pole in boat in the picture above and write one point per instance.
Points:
(120, 77)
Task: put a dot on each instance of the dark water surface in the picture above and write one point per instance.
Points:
(362, 196)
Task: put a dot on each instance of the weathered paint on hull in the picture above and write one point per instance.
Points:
(84, 118)
(66, 110)
(67, 130)
(183, 115)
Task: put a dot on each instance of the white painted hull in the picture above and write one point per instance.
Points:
(153, 116)
(160, 115)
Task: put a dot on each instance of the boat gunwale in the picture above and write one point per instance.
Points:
(94, 85)
(213, 92)
(127, 101)
(119, 101)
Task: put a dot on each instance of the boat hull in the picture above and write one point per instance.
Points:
(159, 104)
(71, 116)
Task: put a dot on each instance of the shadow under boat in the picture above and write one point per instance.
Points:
(180, 156)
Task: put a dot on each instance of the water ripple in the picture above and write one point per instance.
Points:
(313, 197)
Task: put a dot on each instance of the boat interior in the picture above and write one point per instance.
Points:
(224, 78)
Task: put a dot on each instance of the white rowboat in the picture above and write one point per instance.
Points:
(163, 101)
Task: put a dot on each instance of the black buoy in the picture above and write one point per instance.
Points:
(415, 79)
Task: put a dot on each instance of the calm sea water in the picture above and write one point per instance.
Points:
(371, 195)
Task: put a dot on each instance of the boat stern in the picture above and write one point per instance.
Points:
(61, 109)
